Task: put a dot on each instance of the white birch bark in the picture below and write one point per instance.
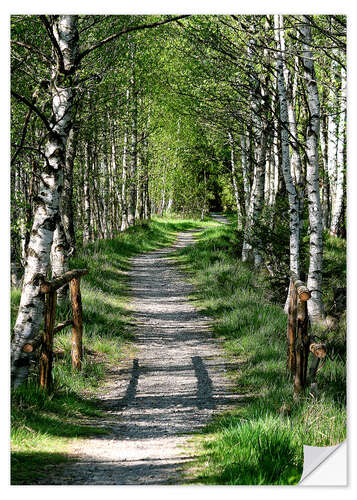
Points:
(340, 177)
(124, 217)
(66, 201)
(332, 138)
(256, 198)
(314, 281)
(234, 181)
(114, 182)
(87, 207)
(59, 259)
(325, 205)
(260, 128)
(133, 145)
(294, 221)
(245, 170)
(47, 211)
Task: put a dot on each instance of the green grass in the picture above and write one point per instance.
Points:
(261, 441)
(44, 426)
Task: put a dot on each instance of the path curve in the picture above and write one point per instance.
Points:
(174, 386)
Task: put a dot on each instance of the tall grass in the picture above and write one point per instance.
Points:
(261, 441)
(44, 425)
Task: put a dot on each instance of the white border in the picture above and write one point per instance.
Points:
(153, 7)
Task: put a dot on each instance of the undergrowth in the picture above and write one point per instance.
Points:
(261, 440)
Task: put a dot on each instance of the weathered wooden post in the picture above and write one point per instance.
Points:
(298, 337)
(45, 339)
(46, 356)
(319, 352)
(77, 325)
(301, 346)
(291, 329)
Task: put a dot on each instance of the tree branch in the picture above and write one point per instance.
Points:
(54, 42)
(24, 129)
(33, 108)
(127, 30)
(32, 49)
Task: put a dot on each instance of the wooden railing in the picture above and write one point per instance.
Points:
(299, 342)
(45, 340)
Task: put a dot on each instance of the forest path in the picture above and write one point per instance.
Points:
(173, 387)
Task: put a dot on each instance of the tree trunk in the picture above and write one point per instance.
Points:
(314, 281)
(332, 137)
(286, 167)
(245, 171)
(87, 205)
(124, 217)
(66, 202)
(59, 259)
(47, 210)
(340, 180)
(256, 199)
(325, 207)
(234, 182)
(133, 145)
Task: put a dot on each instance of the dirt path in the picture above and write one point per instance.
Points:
(173, 387)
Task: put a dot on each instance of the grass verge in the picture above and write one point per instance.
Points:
(44, 427)
(261, 441)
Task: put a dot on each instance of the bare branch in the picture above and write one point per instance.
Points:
(127, 30)
(54, 42)
(32, 49)
(33, 108)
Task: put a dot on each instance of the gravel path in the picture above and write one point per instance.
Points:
(172, 388)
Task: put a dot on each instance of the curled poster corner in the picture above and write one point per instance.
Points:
(314, 456)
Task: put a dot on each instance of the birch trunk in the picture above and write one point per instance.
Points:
(340, 180)
(296, 163)
(124, 217)
(106, 197)
(66, 201)
(294, 220)
(332, 139)
(260, 128)
(139, 190)
(59, 259)
(234, 182)
(245, 171)
(256, 199)
(115, 197)
(314, 281)
(47, 211)
(87, 207)
(325, 185)
(133, 145)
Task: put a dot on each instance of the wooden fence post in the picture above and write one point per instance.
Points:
(77, 328)
(291, 361)
(301, 347)
(298, 337)
(46, 356)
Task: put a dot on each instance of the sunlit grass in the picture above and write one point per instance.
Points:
(261, 441)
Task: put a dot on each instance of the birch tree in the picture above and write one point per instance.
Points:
(64, 39)
(285, 142)
(314, 280)
(340, 160)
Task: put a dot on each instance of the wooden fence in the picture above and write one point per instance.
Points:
(45, 340)
(299, 342)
